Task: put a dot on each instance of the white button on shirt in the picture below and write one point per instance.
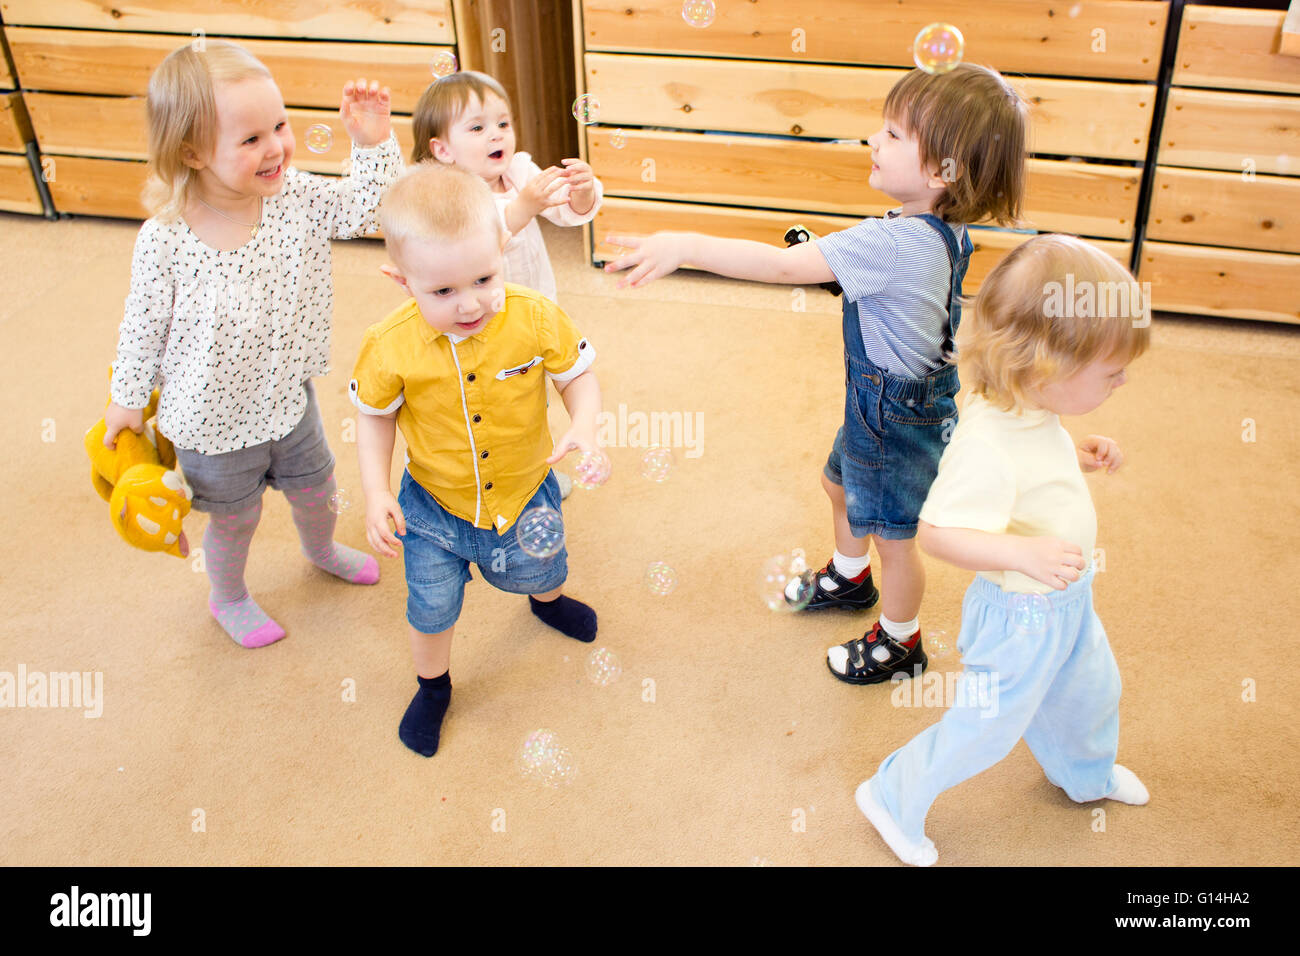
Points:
(233, 335)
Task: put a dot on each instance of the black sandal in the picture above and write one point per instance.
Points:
(877, 657)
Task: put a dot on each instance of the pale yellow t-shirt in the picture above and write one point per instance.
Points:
(1012, 473)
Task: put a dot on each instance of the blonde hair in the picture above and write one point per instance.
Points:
(182, 111)
(443, 101)
(973, 126)
(431, 202)
(1028, 330)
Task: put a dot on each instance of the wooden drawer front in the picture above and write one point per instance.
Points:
(832, 178)
(1234, 48)
(1232, 131)
(97, 187)
(1068, 117)
(1223, 209)
(7, 81)
(1228, 282)
(641, 217)
(308, 74)
(17, 188)
(15, 130)
(1020, 36)
(423, 21)
(115, 127)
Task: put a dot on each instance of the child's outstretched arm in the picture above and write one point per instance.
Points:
(347, 207)
(375, 437)
(366, 112)
(581, 396)
(664, 252)
(1052, 561)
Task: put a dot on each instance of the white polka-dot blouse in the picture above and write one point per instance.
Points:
(232, 336)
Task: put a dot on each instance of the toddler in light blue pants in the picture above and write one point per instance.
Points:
(1010, 502)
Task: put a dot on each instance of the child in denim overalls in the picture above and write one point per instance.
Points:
(1010, 502)
(899, 406)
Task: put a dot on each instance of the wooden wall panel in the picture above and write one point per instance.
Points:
(415, 21)
(1015, 36)
(1228, 282)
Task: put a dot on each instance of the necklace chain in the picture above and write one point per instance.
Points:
(253, 226)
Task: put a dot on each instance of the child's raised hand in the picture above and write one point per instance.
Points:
(541, 191)
(1052, 561)
(366, 112)
(117, 418)
(379, 509)
(582, 185)
(1098, 451)
(650, 258)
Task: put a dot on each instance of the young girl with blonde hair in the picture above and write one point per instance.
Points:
(1010, 502)
(231, 301)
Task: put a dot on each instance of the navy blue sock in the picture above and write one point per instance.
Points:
(422, 722)
(569, 617)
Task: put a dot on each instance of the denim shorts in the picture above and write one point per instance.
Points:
(887, 452)
(439, 547)
(234, 481)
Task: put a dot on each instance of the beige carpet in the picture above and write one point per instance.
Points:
(749, 751)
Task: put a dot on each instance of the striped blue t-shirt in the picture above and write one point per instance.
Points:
(897, 272)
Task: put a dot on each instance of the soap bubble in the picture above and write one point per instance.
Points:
(540, 532)
(699, 13)
(340, 501)
(603, 667)
(938, 48)
(319, 138)
(660, 579)
(785, 583)
(586, 109)
(593, 470)
(1029, 613)
(543, 759)
(656, 463)
(938, 646)
(618, 139)
(443, 64)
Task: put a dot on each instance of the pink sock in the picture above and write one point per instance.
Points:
(225, 552)
(315, 521)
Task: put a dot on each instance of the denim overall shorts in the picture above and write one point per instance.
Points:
(895, 428)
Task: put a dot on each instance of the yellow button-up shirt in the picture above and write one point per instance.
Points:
(473, 412)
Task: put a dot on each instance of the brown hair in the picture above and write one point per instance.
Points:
(443, 101)
(1027, 328)
(182, 111)
(973, 125)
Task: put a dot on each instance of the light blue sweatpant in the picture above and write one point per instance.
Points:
(1055, 685)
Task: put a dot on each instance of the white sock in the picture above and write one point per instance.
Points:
(849, 567)
(1128, 788)
(900, 632)
(917, 854)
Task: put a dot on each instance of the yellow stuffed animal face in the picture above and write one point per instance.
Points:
(148, 505)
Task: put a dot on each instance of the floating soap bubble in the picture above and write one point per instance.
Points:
(938, 646)
(603, 667)
(1029, 613)
(586, 109)
(340, 501)
(319, 138)
(660, 579)
(785, 583)
(699, 13)
(543, 759)
(656, 464)
(1075, 10)
(443, 64)
(540, 532)
(593, 470)
(618, 139)
(938, 48)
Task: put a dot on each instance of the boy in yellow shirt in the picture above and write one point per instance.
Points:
(459, 369)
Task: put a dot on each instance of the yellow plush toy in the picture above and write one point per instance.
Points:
(146, 498)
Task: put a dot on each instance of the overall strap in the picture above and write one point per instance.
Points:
(958, 260)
